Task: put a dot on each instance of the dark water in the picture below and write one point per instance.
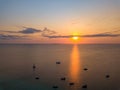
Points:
(16, 62)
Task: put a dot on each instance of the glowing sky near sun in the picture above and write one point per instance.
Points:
(65, 17)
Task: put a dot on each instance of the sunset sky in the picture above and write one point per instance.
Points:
(57, 21)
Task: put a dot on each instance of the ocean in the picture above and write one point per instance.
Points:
(86, 66)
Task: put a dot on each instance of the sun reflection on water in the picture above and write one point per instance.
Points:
(75, 65)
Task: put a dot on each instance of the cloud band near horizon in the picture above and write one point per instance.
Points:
(50, 34)
(92, 35)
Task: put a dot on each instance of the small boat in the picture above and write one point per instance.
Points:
(84, 86)
(107, 76)
(63, 78)
(55, 86)
(34, 66)
(85, 69)
(71, 83)
(36, 78)
(58, 62)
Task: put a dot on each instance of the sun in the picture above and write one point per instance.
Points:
(75, 38)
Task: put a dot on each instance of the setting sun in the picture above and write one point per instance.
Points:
(75, 37)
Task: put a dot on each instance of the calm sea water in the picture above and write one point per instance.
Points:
(16, 62)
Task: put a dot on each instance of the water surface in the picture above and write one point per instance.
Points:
(16, 72)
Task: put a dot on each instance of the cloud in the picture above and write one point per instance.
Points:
(24, 31)
(10, 37)
(29, 31)
(92, 35)
(8, 31)
(58, 36)
(101, 35)
(53, 34)
(46, 32)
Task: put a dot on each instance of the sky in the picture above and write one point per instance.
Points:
(57, 21)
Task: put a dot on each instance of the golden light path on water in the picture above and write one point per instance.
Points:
(75, 65)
